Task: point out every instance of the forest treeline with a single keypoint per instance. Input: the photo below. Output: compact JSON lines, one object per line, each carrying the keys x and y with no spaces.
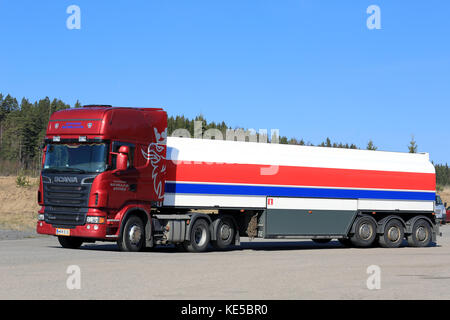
{"x":23,"y":126}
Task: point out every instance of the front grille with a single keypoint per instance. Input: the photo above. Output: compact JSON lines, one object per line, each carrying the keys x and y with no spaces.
{"x":65,"y":216}
{"x":66,"y":205}
{"x":72,"y":196}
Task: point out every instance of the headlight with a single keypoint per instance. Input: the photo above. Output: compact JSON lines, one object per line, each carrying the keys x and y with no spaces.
{"x":97,"y":220}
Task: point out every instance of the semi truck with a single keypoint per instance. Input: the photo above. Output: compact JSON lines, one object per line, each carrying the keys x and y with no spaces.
{"x":113,"y":174}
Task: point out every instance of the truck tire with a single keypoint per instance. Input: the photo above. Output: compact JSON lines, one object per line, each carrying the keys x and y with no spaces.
{"x":420,"y":235}
{"x":225,"y":233}
{"x":133,"y":235}
{"x":365,"y":232}
{"x":70,"y":242}
{"x":393,"y":234}
{"x":199,"y":236}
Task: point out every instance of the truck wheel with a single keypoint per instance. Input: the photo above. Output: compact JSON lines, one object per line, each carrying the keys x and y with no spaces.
{"x":70,"y":242}
{"x":365,"y":232}
{"x":393,"y":234}
{"x":321,"y":241}
{"x":133,"y":235}
{"x":225,"y":234}
{"x":199,"y":236}
{"x":420,"y":235}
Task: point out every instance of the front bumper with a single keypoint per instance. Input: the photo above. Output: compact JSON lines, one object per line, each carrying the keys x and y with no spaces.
{"x":94,"y":231}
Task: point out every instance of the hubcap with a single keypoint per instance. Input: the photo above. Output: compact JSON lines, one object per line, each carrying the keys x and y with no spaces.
{"x":393,"y":234}
{"x":225,"y":232}
{"x":421,"y":234}
{"x":365,"y":231}
{"x":200,"y":236}
{"x":135,"y":234}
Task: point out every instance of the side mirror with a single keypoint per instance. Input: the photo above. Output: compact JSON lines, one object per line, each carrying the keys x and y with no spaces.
{"x":122,"y":158}
{"x":445,"y":204}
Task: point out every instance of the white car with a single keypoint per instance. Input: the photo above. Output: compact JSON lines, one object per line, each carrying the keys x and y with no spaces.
{"x":439,"y":209}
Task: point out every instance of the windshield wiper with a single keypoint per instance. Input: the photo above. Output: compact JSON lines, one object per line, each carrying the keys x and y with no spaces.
{"x":77,"y":170}
{"x":64,"y":169}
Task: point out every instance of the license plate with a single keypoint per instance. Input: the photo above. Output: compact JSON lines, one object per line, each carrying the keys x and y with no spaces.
{"x":63,"y":232}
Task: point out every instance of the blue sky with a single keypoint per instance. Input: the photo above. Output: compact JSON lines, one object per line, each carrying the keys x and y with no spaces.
{"x":311,"y":69}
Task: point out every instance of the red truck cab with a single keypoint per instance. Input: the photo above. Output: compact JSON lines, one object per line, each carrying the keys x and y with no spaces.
{"x":100,"y":164}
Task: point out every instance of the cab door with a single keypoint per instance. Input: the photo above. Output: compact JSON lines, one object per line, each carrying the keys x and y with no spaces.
{"x":124,"y":184}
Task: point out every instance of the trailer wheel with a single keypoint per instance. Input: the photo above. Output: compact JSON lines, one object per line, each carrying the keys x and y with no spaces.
{"x":133,"y":235}
{"x":365,"y":232}
{"x":393,"y":234}
{"x":420,"y":235}
{"x":199,"y":236}
{"x":225,"y":233}
{"x":70,"y":242}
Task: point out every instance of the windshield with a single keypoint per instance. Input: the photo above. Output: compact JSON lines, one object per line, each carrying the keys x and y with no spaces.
{"x":79,"y":158}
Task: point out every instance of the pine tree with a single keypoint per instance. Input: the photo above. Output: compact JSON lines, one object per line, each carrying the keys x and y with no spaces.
{"x":77,"y":104}
{"x":412,"y":145}
{"x":371,"y":146}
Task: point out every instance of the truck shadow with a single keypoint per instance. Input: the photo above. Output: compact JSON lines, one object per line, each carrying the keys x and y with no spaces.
{"x":247,"y":245}
{"x":256,"y":246}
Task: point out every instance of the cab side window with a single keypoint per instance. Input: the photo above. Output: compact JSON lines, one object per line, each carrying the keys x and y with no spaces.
{"x":115,"y":148}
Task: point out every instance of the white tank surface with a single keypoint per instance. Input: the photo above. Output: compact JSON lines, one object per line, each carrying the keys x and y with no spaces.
{"x":219,"y":173}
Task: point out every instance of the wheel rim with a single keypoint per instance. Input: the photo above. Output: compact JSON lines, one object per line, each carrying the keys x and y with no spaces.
{"x":393,"y":234}
{"x":200,"y":236}
{"x":225,"y":232}
{"x":135,"y":234}
{"x":421,"y":233}
{"x":365,"y":231}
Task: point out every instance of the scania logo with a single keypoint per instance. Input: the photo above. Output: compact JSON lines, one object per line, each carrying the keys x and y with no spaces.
{"x":65,"y":179}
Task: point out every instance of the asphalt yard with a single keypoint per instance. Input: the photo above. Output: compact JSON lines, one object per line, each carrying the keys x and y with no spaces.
{"x":38,"y":268}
